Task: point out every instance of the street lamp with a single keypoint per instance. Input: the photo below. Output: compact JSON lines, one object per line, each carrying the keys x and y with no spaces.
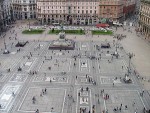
{"x":5,"y":51}
{"x":29,"y":23}
{"x":130,"y":55}
{"x":117,"y":45}
{"x":5,"y":44}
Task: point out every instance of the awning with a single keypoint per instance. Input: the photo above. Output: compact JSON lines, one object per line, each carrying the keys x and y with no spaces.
{"x":102,"y":25}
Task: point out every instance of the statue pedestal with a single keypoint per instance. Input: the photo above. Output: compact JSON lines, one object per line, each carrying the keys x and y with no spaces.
{"x":62,"y":43}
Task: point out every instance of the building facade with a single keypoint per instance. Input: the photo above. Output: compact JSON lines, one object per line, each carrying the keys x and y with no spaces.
{"x":129,"y":8}
{"x":6,"y":15}
{"x":76,"y":12}
{"x":111,"y":10}
{"x":24,"y":9}
{"x":1,"y":18}
{"x":7,"y":12}
{"x":144,"y":18}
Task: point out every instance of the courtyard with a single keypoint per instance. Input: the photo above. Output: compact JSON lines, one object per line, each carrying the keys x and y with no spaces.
{"x":83,"y":80}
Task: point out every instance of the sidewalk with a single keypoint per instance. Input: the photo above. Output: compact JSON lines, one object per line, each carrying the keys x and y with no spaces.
{"x":141,"y":49}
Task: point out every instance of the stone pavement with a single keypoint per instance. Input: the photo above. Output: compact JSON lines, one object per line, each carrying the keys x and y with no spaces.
{"x":89,"y":86}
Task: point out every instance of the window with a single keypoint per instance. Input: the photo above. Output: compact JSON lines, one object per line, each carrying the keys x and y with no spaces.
{"x":25,"y":9}
{"x":86,"y":11}
{"x":82,"y":11}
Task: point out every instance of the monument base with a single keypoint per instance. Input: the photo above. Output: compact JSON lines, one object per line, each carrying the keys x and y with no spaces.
{"x":71,"y":47}
{"x":62,"y":43}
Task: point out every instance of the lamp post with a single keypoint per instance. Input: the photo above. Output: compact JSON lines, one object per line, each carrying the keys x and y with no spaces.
{"x":5,"y":44}
{"x":130,"y":55}
{"x":117,"y":44}
{"x":29,"y":23}
{"x":5,"y":51}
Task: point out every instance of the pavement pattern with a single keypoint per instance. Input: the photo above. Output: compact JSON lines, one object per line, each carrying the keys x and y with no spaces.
{"x":53,"y":81}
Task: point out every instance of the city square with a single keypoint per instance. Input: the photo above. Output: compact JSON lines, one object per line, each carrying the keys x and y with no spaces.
{"x":88,"y":79}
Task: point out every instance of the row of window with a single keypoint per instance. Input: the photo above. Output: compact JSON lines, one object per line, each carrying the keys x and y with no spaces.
{"x":145,"y":9}
{"x":60,"y":7}
{"x":74,"y":3}
{"x":31,"y":13}
{"x":75,"y":11}
{"x":146,"y":20}
{"x":24,"y":8}
{"x":111,"y":15}
{"x":64,"y":16}
{"x":24,"y":1}
{"x":110,"y":2}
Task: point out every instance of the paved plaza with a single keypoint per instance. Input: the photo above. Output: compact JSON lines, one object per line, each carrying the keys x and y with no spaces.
{"x":83,"y":80}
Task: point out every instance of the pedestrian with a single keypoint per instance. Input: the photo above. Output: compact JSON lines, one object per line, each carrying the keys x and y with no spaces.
{"x":86,"y":75}
{"x":144,"y":110}
{"x":103,"y":90}
{"x":121,"y":105}
{"x":133,"y":104}
{"x":79,"y":94}
{"x":76,"y":77}
{"x":126,"y":107}
{"x":41,"y":94}
{"x":33,"y":99}
{"x":120,"y":109}
{"x":37,"y":111}
{"x":87,"y":89}
{"x":50,"y":80}
{"x":82,"y":89}
{"x":45,"y":90}
{"x":13,"y":94}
